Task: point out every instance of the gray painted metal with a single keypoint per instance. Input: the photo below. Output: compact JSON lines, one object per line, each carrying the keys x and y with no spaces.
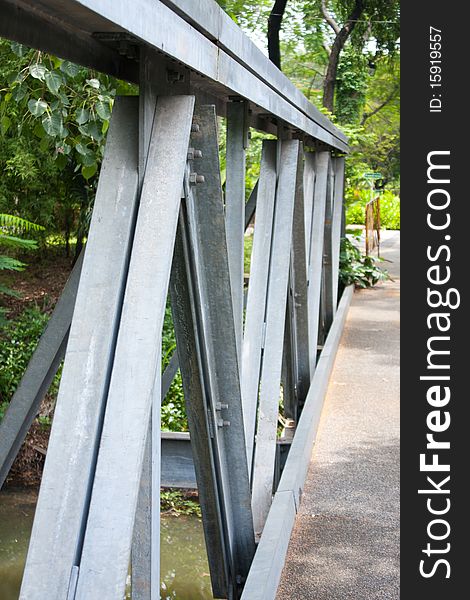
{"x":308,"y":186}
{"x":188,"y":329}
{"x":299,"y":295}
{"x":338,"y":205}
{"x":29,"y":25}
{"x":257,"y":291}
{"x":41,"y":370}
{"x":322,"y":162}
{"x":266,"y":569}
{"x":250,"y":206}
{"x":170,"y":373}
{"x":136,"y":368}
{"x":141,"y":553}
{"x":207,"y":229}
{"x":177,"y":461}
{"x":209,"y":18}
{"x":289,"y":367}
{"x":156,"y":25}
{"x":265,"y":449}
{"x":61,"y":508}
{"x":328,"y":300}
{"x":235,"y":208}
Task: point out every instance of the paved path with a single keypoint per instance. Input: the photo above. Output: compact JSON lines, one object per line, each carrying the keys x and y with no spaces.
{"x":345,"y":543}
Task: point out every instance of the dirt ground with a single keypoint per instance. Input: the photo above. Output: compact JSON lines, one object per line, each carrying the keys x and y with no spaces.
{"x":40,"y":284}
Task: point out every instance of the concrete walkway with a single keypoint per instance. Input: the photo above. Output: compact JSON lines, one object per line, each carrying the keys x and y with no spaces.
{"x":345,"y":542}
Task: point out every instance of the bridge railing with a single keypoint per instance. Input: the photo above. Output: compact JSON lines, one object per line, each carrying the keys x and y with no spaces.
{"x":163,"y":225}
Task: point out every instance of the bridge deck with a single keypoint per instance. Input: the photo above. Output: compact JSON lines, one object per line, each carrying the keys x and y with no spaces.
{"x":345,"y":542}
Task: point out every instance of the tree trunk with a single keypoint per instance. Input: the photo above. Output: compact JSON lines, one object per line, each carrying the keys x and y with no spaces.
{"x":341,"y":38}
{"x":274,"y":27}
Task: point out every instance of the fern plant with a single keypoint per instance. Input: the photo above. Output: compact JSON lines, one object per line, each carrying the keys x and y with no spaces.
{"x":11,"y":228}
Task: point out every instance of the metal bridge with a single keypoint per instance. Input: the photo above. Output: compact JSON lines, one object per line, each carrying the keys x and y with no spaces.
{"x":161,"y":225}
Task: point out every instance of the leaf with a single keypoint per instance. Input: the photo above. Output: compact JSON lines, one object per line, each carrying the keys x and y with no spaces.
{"x":38,"y":71}
{"x":103,"y":110}
{"x":17,"y":224}
{"x":52,"y":124}
{"x":19,"y":49}
{"x":88,"y":160}
{"x":11,"y":264}
{"x":88,"y":172}
{"x":19,"y":92}
{"x":92,"y":129}
{"x":37,"y":107}
{"x":82,"y":149}
{"x":82,"y":116}
{"x":70,"y":69}
{"x":11,"y":241}
{"x":61,"y":161}
{"x":5,"y":124}
{"x":105,"y":127}
{"x":53,"y":81}
{"x":9,"y":292}
{"x":94,"y":83}
{"x":39,"y":130}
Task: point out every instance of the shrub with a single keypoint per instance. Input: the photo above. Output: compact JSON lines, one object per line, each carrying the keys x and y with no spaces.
{"x":389,"y":210}
{"x":357,"y":268}
{"x":18,"y":340}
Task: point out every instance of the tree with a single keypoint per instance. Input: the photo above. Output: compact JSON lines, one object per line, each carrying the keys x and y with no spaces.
{"x":274,"y":27}
{"x":363,"y":20}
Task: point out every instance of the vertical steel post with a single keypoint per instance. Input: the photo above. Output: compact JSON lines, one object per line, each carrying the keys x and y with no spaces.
{"x":187,"y":321}
{"x":327,"y":301}
{"x":265,"y":450}
{"x":336,"y":233}
{"x":322,"y":160}
{"x":253,"y":341}
{"x":235,"y":207}
{"x":135,"y":383}
{"x":63,"y":499}
{"x":208,"y":235}
{"x":297,"y":308}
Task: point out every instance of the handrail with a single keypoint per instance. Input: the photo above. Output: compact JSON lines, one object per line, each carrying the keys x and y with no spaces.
{"x":198,"y":35}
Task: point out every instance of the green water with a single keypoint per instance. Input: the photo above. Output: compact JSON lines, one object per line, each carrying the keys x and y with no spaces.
{"x":184,"y":568}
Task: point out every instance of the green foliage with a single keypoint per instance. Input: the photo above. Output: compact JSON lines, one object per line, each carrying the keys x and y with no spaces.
{"x":68,"y":107}
{"x":18,"y":339}
{"x":54,"y":116}
{"x":389,"y":210}
{"x":351,"y":86}
{"x":173,"y":410}
{"x":357,"y":268}
{"x":11,"y":224}
{"x":177,"y":503}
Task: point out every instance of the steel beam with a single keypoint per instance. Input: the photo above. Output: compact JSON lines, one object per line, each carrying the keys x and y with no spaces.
{"x":39,"y":374}
{"x":338,"y":206}
{"x":297,"y":313}
{"x":265,"y":449}
{"x":158,"y":26}
{"x":322,"y":162}
{"x":64,"y":494}
{"x":235,"y":207}
{"x":188,"y":330}
{"x":253,"y":341}
{"x":208,"y":236}
{"x":135,"y":383}
{"x":328,"y":301}
{"x":265,"y":572}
